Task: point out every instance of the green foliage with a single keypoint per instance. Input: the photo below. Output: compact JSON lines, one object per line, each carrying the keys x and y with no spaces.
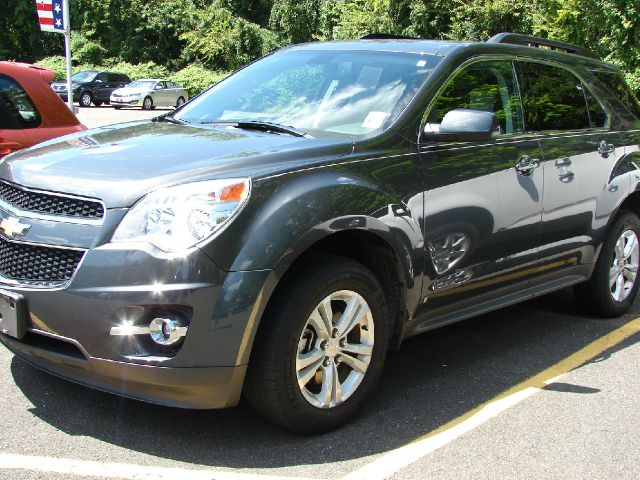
{"x":134,"y":72}
{"x":221,"y":40}
{"x":195,"y":78}
{"x":354,"y":18}
{"x":296,"y":20}
{"x":85,"y":49}
{"x":481,"y":19}
{"x":56,"y":63}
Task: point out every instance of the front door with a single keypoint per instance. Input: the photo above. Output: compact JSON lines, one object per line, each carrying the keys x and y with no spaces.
{"x":483,"y":200}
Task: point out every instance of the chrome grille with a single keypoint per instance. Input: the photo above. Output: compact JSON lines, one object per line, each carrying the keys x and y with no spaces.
{"x":37,"y":264}
{"x":47,"y":203}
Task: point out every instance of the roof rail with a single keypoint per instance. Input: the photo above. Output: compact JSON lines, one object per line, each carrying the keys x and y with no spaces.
{"x":531,"y":41}
{"x":385,"y":36}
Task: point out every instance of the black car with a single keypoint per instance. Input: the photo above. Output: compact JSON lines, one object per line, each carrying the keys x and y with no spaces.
{"x":91,"y":86}
{"x":280,"y":233}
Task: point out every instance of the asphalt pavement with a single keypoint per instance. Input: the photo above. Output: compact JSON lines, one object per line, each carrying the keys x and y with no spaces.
{"x":584,"y":425}
{"x":93,"y":117}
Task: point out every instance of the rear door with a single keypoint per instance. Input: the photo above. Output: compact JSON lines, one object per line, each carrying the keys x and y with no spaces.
{"x":580,"y":154}
{"x":483,"y":208}
{"x":162,"y":96}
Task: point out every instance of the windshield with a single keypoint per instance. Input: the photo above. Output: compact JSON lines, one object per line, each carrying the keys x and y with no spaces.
{"x":142,"y":84}
{"x":83,"y":77}
{"x":330,"y":92}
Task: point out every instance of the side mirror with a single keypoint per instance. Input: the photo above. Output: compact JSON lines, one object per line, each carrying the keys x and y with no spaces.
{"x":463,"y":125}
{"x":158,"y":87}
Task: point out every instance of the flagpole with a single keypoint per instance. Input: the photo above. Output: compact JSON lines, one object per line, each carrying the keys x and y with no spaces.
{"x":67,"y":51}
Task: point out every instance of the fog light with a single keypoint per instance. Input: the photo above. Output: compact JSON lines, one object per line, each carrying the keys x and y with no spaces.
{"x":166,"y":331}
{"x":163,"y":331}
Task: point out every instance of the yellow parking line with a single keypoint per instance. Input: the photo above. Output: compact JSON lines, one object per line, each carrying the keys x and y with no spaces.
{"x":395,"y":460}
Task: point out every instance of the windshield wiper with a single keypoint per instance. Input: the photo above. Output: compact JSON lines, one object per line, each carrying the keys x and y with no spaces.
{"x":264,"y":127}
{"x":169,"y":119}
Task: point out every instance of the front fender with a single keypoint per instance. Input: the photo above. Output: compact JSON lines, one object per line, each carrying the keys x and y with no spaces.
{"x":287,"y":215}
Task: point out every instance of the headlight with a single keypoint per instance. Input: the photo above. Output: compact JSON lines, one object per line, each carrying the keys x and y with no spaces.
{"x":177,"y":218}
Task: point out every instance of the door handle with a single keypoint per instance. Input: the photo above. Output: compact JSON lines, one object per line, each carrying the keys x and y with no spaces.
{"x":566,"y":177}
{"x":526,"y":164}
{"x":605,"y":149}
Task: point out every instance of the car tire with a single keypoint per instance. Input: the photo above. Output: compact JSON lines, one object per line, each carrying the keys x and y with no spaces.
{"x":296,"y":363}
{"x":117,"y":107}
{"x":180,"y":101}
{"x":614,"y":283}
{"x":86,"y":98}
{"x":147,"y":103}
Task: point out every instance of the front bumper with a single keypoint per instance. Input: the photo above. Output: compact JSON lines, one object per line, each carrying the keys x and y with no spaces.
{"x":127,"y":102}
{"x":195,"y":387}
{"x":69,"y":329}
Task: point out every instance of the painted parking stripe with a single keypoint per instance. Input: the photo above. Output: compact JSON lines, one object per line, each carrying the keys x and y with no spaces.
{"x":395,"y":460}
{"x":84,"y":468}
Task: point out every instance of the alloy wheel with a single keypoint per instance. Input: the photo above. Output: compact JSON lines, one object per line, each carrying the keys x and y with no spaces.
{"x":624,"y":267}
{"x":335,"y":349}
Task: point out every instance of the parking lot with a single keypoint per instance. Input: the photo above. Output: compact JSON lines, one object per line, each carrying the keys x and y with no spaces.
{"x":471,"y":383}
{"x":537,"y":390}
{"x":93,"y":117}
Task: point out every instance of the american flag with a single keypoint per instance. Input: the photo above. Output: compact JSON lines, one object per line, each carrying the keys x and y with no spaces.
{"x":51,"y":15}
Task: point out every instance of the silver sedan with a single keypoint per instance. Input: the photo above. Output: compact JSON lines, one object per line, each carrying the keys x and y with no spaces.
{"x":149,"y":93}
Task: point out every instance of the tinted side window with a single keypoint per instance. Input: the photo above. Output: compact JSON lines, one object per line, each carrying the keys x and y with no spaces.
{"x":488,"y":86}
{"x":552,"y":97}
{"x":101,"y":77}
{"x":18,"y":104}
{"x":616,"y":83}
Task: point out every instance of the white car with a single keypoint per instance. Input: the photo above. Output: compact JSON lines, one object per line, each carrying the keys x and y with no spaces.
{"x":149,"y":93}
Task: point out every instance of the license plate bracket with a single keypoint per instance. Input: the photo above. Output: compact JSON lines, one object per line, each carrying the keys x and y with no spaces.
{"x":13,"y":314}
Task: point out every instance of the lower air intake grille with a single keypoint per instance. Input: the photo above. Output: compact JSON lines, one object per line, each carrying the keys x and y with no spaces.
{"x":33,"y":263}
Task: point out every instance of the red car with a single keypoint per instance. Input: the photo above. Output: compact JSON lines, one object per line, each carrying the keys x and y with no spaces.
{"x":30,"y":111}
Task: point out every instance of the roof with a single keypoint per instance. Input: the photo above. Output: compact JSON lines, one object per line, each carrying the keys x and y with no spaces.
{"x":444,"y":48}
{"x":426,"y":47}
{"x":45,"y":73}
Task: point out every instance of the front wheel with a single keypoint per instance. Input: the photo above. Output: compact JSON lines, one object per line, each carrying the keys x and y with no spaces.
{"x":614,"y":283}
{"x":85,"y":99}
{"x":321,"y":347}
{"x":147,"y":103}
{"x":179,"y":102}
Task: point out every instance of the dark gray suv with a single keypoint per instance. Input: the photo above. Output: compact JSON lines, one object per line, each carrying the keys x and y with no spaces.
{"x":278,"y":234}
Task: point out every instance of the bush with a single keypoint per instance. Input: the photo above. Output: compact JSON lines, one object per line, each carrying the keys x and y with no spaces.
{"x":195,"y":78}
{"x":633,"y":78}
{"x":57,"y":63}
{"x":134,"y":72}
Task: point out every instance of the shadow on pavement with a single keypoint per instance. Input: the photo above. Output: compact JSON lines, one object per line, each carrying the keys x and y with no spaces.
{"x":433,"y":379}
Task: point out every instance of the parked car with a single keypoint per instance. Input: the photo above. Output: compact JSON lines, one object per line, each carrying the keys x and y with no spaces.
{"x":91,"y":86}
{"x":149,"y":93}
{"x":29,"y":111}
{"x":278,"y":234}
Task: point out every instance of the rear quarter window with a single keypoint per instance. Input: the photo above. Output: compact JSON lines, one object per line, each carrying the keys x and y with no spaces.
{"x":616,"y":84}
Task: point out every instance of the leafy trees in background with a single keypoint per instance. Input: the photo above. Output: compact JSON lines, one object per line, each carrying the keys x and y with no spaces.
{"x":194,"y":36}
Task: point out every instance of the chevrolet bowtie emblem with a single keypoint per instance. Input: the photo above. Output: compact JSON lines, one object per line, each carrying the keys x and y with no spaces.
{"x":12,"y":227}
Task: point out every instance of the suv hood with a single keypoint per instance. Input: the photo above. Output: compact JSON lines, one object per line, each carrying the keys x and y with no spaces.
{"x":122,"y":163}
